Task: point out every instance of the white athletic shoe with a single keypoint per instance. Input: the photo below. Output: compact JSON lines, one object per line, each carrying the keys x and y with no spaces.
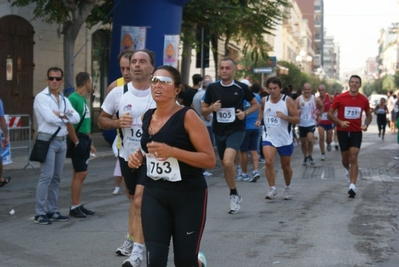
{"x":126,"y":248}
{"x":271,"y":194}
{"x":116,"y":191}
{"x":287,"y":193}
{"x":202,"y":259}
{"x":235,"y":201}
{"x":134,"y":260}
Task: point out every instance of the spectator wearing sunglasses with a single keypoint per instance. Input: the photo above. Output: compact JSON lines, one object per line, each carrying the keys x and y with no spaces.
{"x":53,"y":111}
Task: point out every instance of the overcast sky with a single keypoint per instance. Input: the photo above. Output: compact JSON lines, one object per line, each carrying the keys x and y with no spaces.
{"x":356,"y":25}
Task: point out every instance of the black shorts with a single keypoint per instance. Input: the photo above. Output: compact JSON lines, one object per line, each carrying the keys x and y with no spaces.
{"x":303,"y":131}
{"x":81,"y":153}
{"x":132,"y":177}
{"x":349,"y":139}
{"x":233,"y":140}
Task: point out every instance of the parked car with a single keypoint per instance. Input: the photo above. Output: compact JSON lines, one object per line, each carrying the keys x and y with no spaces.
{"x":374,"y":99}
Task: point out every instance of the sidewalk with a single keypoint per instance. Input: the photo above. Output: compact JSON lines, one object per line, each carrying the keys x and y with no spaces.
{"x":20,"y":157}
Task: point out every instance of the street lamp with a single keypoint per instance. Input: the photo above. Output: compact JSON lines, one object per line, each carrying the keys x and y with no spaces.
{"x":302,"y":59}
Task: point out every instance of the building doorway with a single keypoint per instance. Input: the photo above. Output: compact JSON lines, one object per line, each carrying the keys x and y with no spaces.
{"x":16,"y":65}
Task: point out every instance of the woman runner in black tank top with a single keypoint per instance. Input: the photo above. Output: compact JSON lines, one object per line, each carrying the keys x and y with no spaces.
{"x":176,"y":147}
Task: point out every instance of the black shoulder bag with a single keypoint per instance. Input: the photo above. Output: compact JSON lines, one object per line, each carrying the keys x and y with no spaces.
{"x":40,"y":148}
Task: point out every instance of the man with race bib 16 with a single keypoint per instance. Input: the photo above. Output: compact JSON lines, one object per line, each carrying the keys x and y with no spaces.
{"x":349,"y":107}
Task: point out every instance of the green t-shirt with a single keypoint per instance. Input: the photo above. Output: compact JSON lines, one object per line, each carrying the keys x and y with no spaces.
{"x":79,"y":103}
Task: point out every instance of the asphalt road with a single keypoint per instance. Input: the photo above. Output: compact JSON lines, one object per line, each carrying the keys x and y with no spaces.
{"x":320,"y":226}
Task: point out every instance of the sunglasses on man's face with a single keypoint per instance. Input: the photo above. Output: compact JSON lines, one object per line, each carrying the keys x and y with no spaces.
{"x":54,"y":78}
{"x":162,"y":80}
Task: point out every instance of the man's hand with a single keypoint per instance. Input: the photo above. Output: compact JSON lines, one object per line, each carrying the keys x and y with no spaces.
{"x":344,"y":124}
{"x":125,"y":121}
{"x":93,"y":149}
{"x":216,"y":106}
{"x":280,"y":114}
{"x":240,"y":114}
{"x":4,"y":143}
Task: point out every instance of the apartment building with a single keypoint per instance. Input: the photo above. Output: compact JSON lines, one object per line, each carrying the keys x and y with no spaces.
{"x":313,"y":12}
{"x":331,"y":58}
{"x":388,"y":50}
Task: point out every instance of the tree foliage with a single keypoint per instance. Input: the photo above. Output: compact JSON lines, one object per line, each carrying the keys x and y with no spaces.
{"x":246,"y":66}
{"x":396,"y":79}
{"x":243,"y":21}
{"x":388,"y":83}
{"x":295,"y":76}
{"x":381,"y":85}
{"x":71,"y":14}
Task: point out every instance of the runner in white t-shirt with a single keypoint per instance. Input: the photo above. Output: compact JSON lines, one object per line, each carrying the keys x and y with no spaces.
{"x":129,"y":102}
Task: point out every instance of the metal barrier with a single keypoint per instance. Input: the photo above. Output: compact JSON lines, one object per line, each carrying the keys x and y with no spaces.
{"x":20,"y":135}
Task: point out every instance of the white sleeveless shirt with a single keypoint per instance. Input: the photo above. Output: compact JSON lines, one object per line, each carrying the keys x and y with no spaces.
{"x":278,"y":131}
{"x":308,"y":109}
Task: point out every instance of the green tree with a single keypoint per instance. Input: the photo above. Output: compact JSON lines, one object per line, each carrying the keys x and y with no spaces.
{"x":243,"y":21}
{"x":388,"y":83}
{"x":246,"y":66}
{"x":295,"y":76}
{"x":374,"y":87}
{"x":367,"y":88}
{"x":336,"y":87}
{"x":71,"y":14}
{"x":396,"y":79}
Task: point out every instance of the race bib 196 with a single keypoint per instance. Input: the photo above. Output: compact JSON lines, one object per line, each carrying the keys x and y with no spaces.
{"x":272,"y":121}
{"x":226,"y":115}
{"x":352,"y":112}
{"x":159,"y":168}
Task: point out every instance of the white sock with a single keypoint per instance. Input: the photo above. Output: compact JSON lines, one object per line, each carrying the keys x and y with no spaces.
{"x":74,"y":207}
{"x":352,"y":186}
{"x":287,"y":186}
{"x":273,"y":187}
{"x":117,"y":188}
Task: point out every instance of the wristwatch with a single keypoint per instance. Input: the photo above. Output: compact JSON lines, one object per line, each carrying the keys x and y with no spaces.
{"x":61,"y":114}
